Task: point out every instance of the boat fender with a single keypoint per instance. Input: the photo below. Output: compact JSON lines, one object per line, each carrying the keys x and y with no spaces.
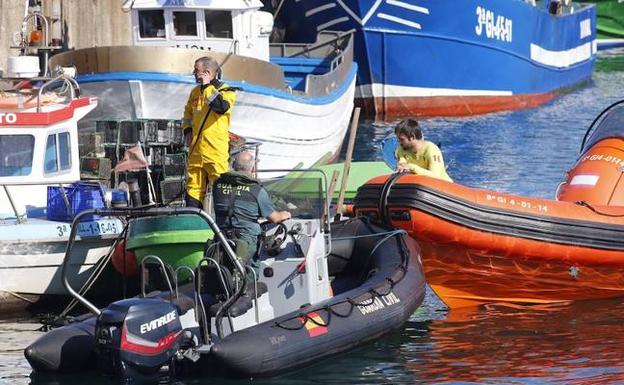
{"x":124,"y":261}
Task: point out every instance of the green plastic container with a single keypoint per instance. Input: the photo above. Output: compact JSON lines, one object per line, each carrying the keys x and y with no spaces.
{"x":178,"y":240}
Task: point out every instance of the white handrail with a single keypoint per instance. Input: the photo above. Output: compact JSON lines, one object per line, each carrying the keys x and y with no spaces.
{"x":70,"y":82}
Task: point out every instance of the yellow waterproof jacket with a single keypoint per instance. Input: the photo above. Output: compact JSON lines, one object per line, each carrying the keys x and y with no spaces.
{"x":428,"y":161}
{"x":210,"y":140}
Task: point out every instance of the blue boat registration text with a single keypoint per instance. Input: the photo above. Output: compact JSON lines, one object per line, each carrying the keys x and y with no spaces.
{"x":496,"y":27}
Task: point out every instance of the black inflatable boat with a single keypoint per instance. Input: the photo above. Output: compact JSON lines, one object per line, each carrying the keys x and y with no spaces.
{"x":322,"y":289}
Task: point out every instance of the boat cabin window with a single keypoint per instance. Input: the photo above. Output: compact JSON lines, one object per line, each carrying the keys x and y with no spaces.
{"x":218,"y":24}
{"x":16,"y":154}
{"x":58,"y":153}
{"x":302,"y":194}
{"x":152,"y":24}
{"x":185,"y":23}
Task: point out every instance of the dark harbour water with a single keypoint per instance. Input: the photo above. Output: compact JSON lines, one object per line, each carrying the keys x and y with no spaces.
{"x":524,"y":152}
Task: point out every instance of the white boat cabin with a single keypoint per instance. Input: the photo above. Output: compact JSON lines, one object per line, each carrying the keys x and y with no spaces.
{"x":230,"y":26}
{"x":37,"y":149}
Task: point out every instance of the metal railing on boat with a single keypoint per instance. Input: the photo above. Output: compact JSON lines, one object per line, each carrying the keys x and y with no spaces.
{"x":142,"y":212}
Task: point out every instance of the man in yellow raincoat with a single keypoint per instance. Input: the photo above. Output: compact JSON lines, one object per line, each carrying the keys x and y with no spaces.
{"x":206,"y":126}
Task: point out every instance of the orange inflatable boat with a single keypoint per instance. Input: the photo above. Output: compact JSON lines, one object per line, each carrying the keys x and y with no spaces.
{"x":480,"y":246}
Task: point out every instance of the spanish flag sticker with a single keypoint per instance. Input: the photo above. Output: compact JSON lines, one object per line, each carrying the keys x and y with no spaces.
{"x":314,"y":324}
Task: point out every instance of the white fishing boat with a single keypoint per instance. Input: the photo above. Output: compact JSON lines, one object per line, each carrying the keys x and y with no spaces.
{"x":295,"y":99}
{"x":39,"y":164}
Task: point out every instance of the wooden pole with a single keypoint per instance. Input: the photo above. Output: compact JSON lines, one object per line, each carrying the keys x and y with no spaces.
{"x":347,"y":164}
{"x":332,"y":188}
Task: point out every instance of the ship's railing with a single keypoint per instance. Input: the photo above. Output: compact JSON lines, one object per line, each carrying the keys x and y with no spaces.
{"x":336,"y":50}
{"x":325,"y":45}
{"x":20,"y":217}
{"x":69,"y":84}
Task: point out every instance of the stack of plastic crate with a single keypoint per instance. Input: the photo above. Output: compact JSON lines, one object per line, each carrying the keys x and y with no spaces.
{"x":172,"y":187}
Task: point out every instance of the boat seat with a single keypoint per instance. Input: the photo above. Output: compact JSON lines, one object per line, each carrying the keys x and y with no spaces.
{"x":250,"y":291}
{"x":220,"y":285}
{"x":350,"y":261}
{"x":212,"y":283}
{"x":184,"y":303}
{"x":340,"y":255}
{"x":213,"y":291}
{"x":156,"y":279}
{"x":239,"y":307}
{"x":244,"y":303}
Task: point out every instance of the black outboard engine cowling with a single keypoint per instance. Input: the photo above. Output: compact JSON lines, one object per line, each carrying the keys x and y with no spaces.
{"x":137,"y":337}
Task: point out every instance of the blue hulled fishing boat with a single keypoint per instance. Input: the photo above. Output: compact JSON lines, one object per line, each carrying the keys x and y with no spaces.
{"x":449,"y":58}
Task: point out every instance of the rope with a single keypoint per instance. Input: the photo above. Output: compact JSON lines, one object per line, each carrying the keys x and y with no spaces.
{"x":373,"y":292}
{"x":49,"y":321}
{"x":350,"y":301}
{"x":304,"y":317}
{"x":402,"y":232}
{"x":303,"y":322}
{"x":390,"y":233}
{"x":585,"y":204}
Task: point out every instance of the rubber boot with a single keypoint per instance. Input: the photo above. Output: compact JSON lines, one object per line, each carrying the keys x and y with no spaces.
{"x":192,"y":202}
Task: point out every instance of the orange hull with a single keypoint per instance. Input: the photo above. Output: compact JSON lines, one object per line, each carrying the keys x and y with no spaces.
{"x":481,"y":246}
{"x":421,"y":106}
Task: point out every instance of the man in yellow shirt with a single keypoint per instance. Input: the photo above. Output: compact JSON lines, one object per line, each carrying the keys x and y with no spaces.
{"x":415,"y":154}
{"x":206,"y":126}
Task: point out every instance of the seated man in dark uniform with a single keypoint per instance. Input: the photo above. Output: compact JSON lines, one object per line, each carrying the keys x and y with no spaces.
{"x":239,"y":201}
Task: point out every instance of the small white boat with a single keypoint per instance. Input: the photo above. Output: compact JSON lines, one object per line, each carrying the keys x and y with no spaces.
{"x":296,"y":100}
{"x":39,"y":154}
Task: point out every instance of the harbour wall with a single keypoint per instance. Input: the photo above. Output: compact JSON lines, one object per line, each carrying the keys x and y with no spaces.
{"x":77,"y":23}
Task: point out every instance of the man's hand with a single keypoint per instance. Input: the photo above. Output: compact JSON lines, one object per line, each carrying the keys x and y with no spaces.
{"x":402,"y":167}
{"x":279,"y":216}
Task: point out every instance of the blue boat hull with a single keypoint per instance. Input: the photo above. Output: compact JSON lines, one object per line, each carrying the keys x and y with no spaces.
{"x":438,"y":58}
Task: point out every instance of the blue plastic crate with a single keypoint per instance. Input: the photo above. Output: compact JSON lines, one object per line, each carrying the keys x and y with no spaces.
{"x":81,"y":196}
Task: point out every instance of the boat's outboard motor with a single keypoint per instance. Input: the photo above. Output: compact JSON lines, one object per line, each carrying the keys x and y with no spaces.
{"x":137,"y":337}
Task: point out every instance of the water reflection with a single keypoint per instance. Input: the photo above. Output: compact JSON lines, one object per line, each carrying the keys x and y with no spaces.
{"x":579,"y":343}
{"x":15,"y":334}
